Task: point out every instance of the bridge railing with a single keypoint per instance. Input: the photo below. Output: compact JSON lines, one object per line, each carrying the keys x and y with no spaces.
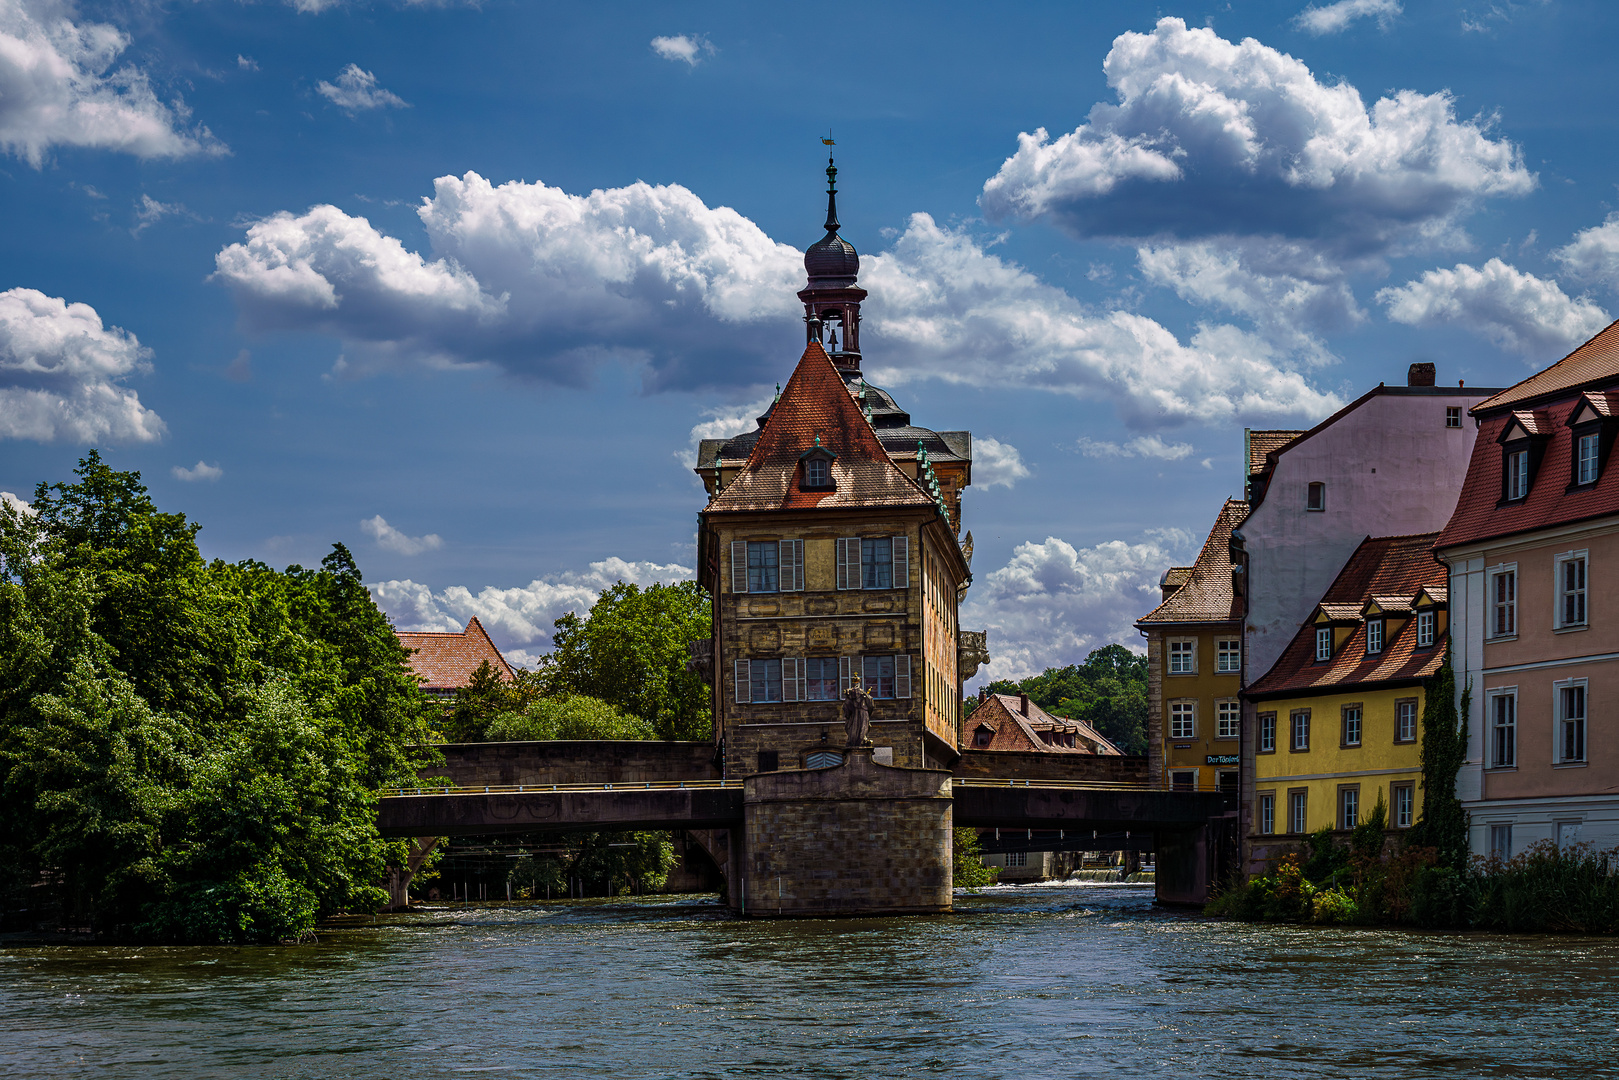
{"x":1078,"y":785}
{"x":512,"y":789}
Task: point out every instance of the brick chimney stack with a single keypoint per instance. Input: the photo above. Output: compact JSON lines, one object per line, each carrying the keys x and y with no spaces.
{"x":1420,"y":375}
{"x":1023,"y":701}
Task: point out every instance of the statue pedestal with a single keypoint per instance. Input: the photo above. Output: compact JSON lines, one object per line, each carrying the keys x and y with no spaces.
{"x":859,"y":839}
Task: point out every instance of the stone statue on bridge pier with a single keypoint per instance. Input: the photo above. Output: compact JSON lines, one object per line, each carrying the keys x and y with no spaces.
{"x":857,"y":714}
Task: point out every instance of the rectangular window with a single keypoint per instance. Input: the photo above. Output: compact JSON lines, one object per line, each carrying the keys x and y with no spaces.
{"x":1405,"y":720}
{"x":1503,"y":730}
{"x":1453,"y":416}
{"x":769,"y":760}
{"x":1504,"y":603}
{"x":873,"y":562}
{"x":1300,"y":719}
{"x":1501,"y":841}
{"x":1267,"y":813}
{"x":1425,"y":628}
{"x":1297,"y":819}
{"x":1017,"y":858}
{"x":1517,"y":474}
{"x":1267,"y":733}
{"x":887,"y":676}
{"x":1228,"y":656}
{"x":1315,"y":496}
{"x":763,"y":566}
{"x":1227,"y":781}
{"x":1587,"y":451}
{"x":1571,"y":589}
{"x":1323,"y":643}
{"x":1183,"y":720}
{"x":1348,"y":807}
{"x":1183,"y":780}
{"x":876,"y":562}
{"x":1183,"y":656}
{"x":1402,"y":807}
{"x":821,"y":678}
{"x":1228,"y":720}
{"x":1374,"y":635}
{"x":1571,"y":723}
{"x":764,"y":681}
{"x":1351,"y":725}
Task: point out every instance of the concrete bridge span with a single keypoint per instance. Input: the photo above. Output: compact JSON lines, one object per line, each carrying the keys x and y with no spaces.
{"x":471,"y":811}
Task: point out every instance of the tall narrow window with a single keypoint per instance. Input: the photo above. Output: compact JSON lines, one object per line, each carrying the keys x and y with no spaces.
{"x":876,"y":562}
{"x":1571,"y":590}
{"x":1503,"y":731}
{"x":1267,"y":733}
{"x":1351,"y":722}
{"x":1297,"y":820}
{"x":1517,"y":474}
{"x":1315,"y":496}
{"x":1267,"y":813}
{"x":1587,"y":450}
{"x":1405,"y":720}
{"x":1183,"y":657}
{"x":1323,"y":643}
{"x":1301,"y":729}
{"x":1183,"y":720}
{"x":1501,"y":841}
{"x":763,"y":564}
{"x":1402,"y":813}
{"x":1570,"y":723}
{"x":1229,"y":658}
{"x":1374,"y":635}
{"x":1504,"y":603}
{"x":1348,"y":807}
{"x":1228,"y":720}
{"x":1425,"y":628}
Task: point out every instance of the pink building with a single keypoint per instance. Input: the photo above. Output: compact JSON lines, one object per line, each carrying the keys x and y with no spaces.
{"x":1533,"y":552}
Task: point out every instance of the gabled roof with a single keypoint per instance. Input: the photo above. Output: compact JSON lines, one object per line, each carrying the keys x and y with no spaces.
{"x":1206,"y":595}
{"x":1480,"y":512}
{"x":445,"y":662}
{"x":1261,"y":443}
{"x":1594,"y":362}
{"x":997,"y":711}
{"x":816,"y":404}
{"x":1381,"y":566}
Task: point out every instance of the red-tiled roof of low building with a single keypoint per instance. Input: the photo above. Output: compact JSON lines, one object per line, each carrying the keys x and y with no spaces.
{"x":1480,"y":512}
{"x":1380,"y":566}
{"x":445,"y":662}
{"x":1016,"y":730}
{"x":1207,"y":595}
{"x":1594,"y":362}
{"x":817,"y":405}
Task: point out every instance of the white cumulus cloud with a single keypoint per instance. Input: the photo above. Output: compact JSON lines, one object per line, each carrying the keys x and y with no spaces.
{"x":357,"y":90}
{"x":1335,"y":18}
{"x":1210,"y":137}
{"x":61,"y":372}
{"x":1053,"y":603}
{"x":391,"y":539}
{"x":1145,"y":446}
{"x":200,"y":471}
{"x":1516,"y":310}
{"x":20,"y":505}
{"x":1593,"y":254}
{"x":683,"y":48}
{"x":58,"y":88}
{"x":549,"y":285}
{"x":519,"y":619}
{"x":996,"y":463}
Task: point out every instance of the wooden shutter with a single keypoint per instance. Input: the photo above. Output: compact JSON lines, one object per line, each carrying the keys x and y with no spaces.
{"x":791,"y":566}
{"x":845,"y":670}
{"x":743,"y":693}
{"x":739,"y":566}
{"x":792,"y":678}
{"x":902,"y":562}
{"x":902,"y":675}
{"x":849,"y":562}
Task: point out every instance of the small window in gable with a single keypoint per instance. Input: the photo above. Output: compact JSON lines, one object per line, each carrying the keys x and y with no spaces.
{"x":816,"y":469}
{"x":1586,"y":466}
{"x":1323,"y":643}
{"x":1315,"y":496}
{"x":1374,"y":635}
{"x":1453,"y":416}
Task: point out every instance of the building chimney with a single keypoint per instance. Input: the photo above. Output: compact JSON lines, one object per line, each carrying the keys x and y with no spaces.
{"x":1023,"y":703}
{"x":1419,"y":375}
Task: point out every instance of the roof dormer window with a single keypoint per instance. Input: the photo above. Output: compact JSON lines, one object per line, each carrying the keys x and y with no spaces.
{"x":1523,"y":443}
{"x":1374,"y":636}
{"x":815,"y":468}
{"x":1323,"y":643}
{"x":1517,"y":474}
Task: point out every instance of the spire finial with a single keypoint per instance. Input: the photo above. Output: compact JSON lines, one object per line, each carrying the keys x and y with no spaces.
{"x":831,"y":189}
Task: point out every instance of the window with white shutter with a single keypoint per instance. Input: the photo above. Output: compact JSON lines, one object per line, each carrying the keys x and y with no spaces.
{"x":792,"y":679}
{"x":792,"y":566}
{"x":741,"y":672}
{"x":902,"y":674}
{"x":849,"y":562}
{"x":902,"y":563}
{"x":739,"y":566}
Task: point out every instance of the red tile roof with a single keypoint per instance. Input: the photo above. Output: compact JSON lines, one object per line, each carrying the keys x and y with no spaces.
{"x":1381,"y":566}
{"x":1018,"y":730}
{"x":1206,"y":595}
{"x":816,"y":404}
{"x":1480,"y":515}
{"x":1262,"y":442}
{"x":445,"y":662}
{"x":1596,"y":361}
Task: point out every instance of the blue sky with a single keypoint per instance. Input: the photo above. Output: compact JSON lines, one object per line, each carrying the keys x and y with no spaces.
{"x":460,"y":285}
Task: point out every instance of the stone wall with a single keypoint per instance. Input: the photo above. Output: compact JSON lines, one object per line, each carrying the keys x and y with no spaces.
{"x":573,"y":762}
{"x":1037,"y":765}
{"x":861,"y":838}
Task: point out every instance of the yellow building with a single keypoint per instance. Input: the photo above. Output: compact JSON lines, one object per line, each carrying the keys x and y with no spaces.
{"x":1338,"y":717}
{"x":1194,"y":668}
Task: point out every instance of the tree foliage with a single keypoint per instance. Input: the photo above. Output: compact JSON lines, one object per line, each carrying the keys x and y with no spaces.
{"x":1443,"y":824}
{"x":571,"y":716}
{"x":189,"y":750}
{"x":1108,"y":692}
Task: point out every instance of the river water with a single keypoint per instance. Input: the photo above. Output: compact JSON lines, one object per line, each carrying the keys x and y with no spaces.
{"x":1019,"y":982}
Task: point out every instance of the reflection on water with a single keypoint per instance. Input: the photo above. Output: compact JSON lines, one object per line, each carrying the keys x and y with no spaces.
{"x":1019,"y":982}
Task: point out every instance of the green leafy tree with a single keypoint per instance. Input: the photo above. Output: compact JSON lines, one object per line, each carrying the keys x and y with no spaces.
{"x":571,"y":716}
{"x":967,"y":863}
{"x":1443,"y":824}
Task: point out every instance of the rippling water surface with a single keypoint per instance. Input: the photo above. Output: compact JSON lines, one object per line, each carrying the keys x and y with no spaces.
{"x":1028,"y":982}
